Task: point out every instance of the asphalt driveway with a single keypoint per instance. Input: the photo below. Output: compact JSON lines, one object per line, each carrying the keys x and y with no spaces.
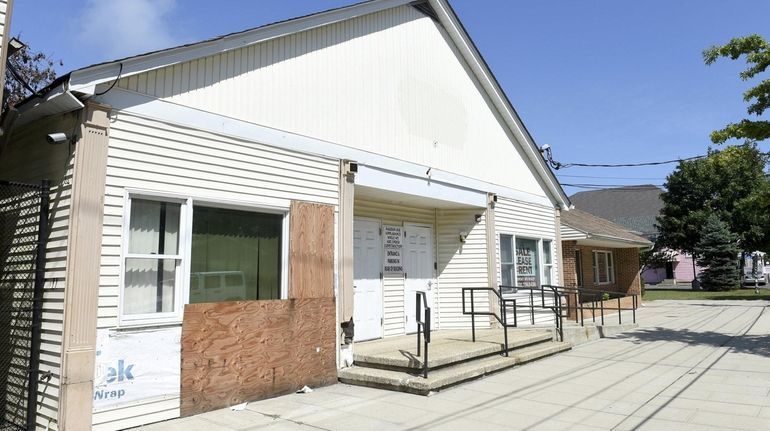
{"x":690,"y":365}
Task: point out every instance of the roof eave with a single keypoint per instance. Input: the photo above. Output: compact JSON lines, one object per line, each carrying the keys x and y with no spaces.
{"x":86,"y":79}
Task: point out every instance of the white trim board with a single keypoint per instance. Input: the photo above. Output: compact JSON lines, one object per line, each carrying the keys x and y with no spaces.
{"x":172,"y":113}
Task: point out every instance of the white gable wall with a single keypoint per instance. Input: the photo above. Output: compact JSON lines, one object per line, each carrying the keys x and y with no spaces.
{"x":389,"y":83}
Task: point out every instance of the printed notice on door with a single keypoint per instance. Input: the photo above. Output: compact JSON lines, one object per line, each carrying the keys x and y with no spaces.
{"x":393,"y":247}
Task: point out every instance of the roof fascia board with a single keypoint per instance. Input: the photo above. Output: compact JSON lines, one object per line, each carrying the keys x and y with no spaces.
{"x":611,"y":238}
{"x":172,"y":113}
{"x":462,"y":40}
{"x":85,"y":80}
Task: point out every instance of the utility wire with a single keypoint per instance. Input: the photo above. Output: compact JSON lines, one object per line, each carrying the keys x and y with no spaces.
{"x":610,"y":178}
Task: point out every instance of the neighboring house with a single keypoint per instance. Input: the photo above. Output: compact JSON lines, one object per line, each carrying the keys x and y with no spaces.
{"x":319,"y":170}
{"x":636,"y":208}
{"x":599,"y":254}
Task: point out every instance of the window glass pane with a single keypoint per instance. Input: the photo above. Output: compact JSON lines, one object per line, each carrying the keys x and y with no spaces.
{"x":601,"y":264}
{"x":547,"y":277}
{"x":527,"y":265}
{"x":236,"y":255}
{"x":154,"y":227}
{"x":150,"y":286}
{"x":507,"y":273}
{"x":547,"y":252}
{"x":506,"y":252}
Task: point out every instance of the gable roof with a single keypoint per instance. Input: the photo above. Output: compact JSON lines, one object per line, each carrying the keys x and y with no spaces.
{"x":634,"y":207}
{"x":598,"y":228}
{"x":83,"y":82}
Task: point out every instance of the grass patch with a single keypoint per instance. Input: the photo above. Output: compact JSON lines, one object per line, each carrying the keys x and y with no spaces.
{"x":745,"y":294}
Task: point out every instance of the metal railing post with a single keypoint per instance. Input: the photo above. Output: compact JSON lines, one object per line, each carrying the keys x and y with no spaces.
{"x":601,"y":304}
{"x":427,"y":340}
{"x":473,"y":318}
{"x":620,"y":313}
{"x":633,"y":311}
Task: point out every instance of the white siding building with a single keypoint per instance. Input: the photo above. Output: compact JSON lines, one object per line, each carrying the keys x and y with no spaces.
{"x":383,"y":112}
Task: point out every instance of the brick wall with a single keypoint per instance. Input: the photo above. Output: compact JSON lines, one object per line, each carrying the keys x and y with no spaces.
{"x":626,"y":265}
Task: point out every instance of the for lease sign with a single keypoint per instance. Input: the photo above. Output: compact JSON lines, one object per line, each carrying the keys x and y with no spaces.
{"x":136,"y":366}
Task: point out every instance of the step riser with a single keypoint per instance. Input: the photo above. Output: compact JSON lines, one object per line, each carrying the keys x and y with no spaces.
{"x":448,"y":376}
{"x":417,"y":368}
{"x":482,"y":348}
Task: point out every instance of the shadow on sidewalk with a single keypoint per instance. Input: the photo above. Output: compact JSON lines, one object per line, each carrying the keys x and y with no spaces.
{"x":751,"y":344}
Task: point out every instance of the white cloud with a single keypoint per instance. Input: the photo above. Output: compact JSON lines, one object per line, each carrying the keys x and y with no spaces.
{"x":113,"y":29}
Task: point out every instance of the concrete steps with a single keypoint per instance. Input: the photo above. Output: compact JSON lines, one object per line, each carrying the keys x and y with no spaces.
{"x":452,"y":360}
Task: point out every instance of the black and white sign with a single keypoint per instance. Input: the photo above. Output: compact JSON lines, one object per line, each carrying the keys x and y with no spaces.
{"x":393,"y":247}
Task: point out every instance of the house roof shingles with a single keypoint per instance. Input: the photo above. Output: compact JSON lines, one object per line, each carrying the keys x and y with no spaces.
{"x":601,"y":228}
{"x":634,"y":207}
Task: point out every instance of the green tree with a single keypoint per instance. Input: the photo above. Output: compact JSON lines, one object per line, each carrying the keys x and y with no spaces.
{"x":757,"y":53}
{"x":719,"y":254}
{"x":728,"y":184}
{"x":26,"y":68}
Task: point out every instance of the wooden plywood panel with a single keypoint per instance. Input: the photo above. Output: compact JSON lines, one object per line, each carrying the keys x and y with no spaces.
{"x":233,"y":352}
{"x":311,"y":253}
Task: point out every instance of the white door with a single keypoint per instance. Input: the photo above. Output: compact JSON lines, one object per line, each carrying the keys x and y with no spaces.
{"x":367,"y":286}
{"x":418,"y":272}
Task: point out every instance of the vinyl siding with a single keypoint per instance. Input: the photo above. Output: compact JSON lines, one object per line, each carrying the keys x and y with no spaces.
{"x":28,"y":158}
{"x":528,"y":221}
{"x":461,"y":264}
{"x":393,"y":284}
{"x":159,"y":157}
{"x":387,"y":82}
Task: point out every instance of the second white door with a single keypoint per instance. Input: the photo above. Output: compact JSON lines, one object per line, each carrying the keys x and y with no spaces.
{"x":418,"y":271}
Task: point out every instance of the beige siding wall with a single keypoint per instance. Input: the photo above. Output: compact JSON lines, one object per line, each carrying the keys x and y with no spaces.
{"x":528,"y":221}
{"x":28,"y":158}
{"x":461,"y":265}
{"x":388,"y":82}
{"x":154,"y":156}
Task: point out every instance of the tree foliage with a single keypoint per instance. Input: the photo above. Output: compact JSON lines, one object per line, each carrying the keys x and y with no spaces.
{"x":729,"y":184}
{"x":719,"y":254}
{"x":757,"y":53}
{"x":35,"y":68}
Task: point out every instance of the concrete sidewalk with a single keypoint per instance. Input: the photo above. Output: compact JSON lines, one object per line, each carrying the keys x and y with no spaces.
{"x":690,"y":365}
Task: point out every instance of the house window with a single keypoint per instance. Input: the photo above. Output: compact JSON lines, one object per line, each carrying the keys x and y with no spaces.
{"x":236,"y":255}
{"x":547,"y":262}
{"x":604,"y":270}
{"x":507,"y":265}
{"x":520,"y":260}
{"x":153,"y":261}
{"x":178,"y":252}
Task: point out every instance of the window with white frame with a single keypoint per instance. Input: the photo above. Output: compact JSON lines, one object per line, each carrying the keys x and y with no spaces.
{"x":547,"y":262}
{"x":520,"y":261}
{"x":180,"y":251}
{"x":507,"y":265}
{"x":604,"y":270}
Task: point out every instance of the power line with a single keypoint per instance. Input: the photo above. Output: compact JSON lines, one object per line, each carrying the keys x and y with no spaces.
{"x":624,"y":165}
{"x":611,"y":178}
{"x":604,"y":186}
{"x":547,"y":153}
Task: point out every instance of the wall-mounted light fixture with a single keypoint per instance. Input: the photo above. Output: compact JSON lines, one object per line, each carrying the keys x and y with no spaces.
{"x":478,"y":218}
{"x":57,"y":138}
{"x":463,"y":236}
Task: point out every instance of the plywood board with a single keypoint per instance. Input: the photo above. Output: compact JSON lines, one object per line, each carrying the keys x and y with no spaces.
{"x":233,"y":352}
{"x":311,"y":250}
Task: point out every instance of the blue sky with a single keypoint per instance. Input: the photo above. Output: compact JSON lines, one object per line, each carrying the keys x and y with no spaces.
{"x":601,"y":81}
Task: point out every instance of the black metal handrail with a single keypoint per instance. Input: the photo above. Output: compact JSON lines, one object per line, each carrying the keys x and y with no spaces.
{"x":509,"y":304}
{"x":423,"y":328}
{"x":587,"y":299}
